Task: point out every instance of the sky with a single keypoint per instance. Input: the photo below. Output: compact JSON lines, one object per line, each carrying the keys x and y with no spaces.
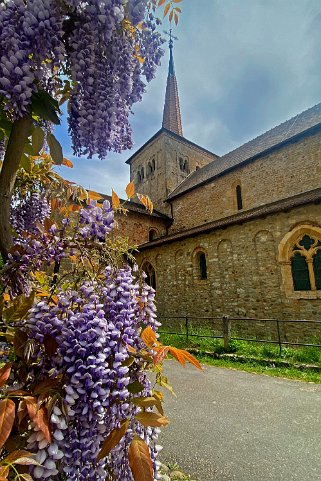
{"x":242,"y":67}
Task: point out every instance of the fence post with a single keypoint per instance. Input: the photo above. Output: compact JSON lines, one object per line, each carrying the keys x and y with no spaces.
{"x":226,"y":321}
{"x":186,"y":327}
{"x":279,"y":337}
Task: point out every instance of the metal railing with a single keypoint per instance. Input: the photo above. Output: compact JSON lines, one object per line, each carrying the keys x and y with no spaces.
{"x":229,"y":329}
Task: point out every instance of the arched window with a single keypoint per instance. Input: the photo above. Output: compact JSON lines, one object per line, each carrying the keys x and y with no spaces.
{"x":139,"y":177}
{"x":142,"y":174}
{"x":306,"y":263}
{"x":300,"y":259}
{"x":150,"y":274}
{"x":200,"y":264}
{"x":183,"y":165}
{"x":153,"y":164}
{"x":239,"y":197}
{"x":152,"y":235}
{"x":149,"y":169}
{"x":300,"y":273}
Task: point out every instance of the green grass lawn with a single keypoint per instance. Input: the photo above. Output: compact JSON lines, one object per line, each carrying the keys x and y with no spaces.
{"x":259,"y":351}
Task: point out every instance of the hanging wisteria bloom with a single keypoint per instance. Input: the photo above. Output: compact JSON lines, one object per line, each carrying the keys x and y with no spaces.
{"x":102,"y":46}
{"x":94,"y":320}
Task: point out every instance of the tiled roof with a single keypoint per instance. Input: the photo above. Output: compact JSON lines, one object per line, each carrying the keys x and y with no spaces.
{"x":312,"y":196}
{"x":139,"y":208}
{"x":302,"y":123}
{"x":175,"y":136}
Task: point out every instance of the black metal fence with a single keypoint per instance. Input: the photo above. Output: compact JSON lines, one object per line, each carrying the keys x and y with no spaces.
{"x":297,"y":332}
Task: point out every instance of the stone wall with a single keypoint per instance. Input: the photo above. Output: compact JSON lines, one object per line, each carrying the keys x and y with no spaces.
{"x":244,"y":277}
{"x":136,"y":226}
{"x":292,"y":169}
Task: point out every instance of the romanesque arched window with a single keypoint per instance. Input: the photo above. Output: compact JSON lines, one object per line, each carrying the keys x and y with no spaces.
{"x":300,"y":258}
{"x":200,"y":264}
{"x":152,"y":234}
{"x":149,"y":169}
{"x":239,"y":199}
{"x":150,"y":274}
{"x":142,"y":173}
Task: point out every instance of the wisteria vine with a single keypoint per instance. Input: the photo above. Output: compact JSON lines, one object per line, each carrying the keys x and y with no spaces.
{"x":92,"y":322}
{"x":105,"y":47}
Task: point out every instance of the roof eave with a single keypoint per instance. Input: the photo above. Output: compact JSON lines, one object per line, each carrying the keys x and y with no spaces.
{"x":293,"y":139}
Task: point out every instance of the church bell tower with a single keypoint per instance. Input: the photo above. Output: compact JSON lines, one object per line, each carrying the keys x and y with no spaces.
{"x":167,"y":158}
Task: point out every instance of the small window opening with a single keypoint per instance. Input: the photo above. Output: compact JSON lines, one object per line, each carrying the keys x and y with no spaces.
{"x":239,"y":197}
{"x":183,"y":165}
{"x":142,"y":174}
{"x":150,"y":275}
{"x":152,"y":235}
{"x":202,"y":266}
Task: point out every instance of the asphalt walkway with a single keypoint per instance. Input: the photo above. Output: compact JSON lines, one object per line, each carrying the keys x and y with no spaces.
{"x":230,"y":425}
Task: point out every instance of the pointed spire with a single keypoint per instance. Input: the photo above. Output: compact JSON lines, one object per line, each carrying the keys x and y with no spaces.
{"x":171,"y":114}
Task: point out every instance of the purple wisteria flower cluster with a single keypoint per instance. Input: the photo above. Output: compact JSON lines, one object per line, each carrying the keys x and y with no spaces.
{"x":95,"y":221}
{"x":103,"y":48}
{"x":92,"y":327}
{"x":29,"y":211}
{"x":93,"y":321}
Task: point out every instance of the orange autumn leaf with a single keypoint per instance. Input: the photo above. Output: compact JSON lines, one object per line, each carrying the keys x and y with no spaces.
{"x":182,"y":356}
{"x":130,"y":190}
{"x":5,"y":373}
{"x":112,"y":440}
{"x":67,"y":163}
{"x":7,"y":416}
{"x":38,"y":416}
{"x":166,"y":9}
{"x":149,"y":337}
{"x":139,"y":460}
{"x":115,"y":200}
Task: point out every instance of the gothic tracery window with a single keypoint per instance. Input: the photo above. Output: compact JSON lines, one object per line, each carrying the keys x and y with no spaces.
{"x":306,"y":264}
{"x":150,"y":274}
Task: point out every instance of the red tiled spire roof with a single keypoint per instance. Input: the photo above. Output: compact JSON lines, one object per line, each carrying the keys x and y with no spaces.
{"x":172,"y":115}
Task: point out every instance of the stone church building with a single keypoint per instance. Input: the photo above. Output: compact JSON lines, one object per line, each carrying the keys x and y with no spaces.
{"x":236,"y":235}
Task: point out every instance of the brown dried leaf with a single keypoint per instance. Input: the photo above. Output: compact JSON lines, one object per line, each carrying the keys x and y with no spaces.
{"x":139,"y":460}
{"x":166,"y":9}
{"x":5,"y":373}
{"x":112,"y":440}
{"x":38,"y":416}
{"x":151,"y":419}
{"x":7,"y":415}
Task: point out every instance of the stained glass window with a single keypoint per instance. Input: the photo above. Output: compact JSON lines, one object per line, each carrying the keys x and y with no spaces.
{"x":317,"y":269}
{"x":300,"y":273}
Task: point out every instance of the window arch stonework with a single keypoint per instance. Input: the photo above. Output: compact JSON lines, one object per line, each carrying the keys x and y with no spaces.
{"x":200,"y":265}
{"x":300,"y":260}
{"x":149,"y":270}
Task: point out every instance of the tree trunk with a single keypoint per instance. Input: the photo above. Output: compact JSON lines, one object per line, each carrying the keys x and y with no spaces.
{"x":16,"y":143}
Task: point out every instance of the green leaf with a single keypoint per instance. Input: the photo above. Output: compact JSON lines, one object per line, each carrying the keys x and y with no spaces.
{"x":5,"y":125}
{"x":38,"y":137}
{"x":55,"y":149}
{"x":25,"y":163}
{"x":45,"y":106}
{"x":135,"y":387}
{"x":19,"y":308}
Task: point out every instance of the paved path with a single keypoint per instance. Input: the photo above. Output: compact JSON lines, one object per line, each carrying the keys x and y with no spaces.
{"x":230,"y":425}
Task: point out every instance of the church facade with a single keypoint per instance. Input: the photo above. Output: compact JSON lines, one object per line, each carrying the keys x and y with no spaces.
{"x":236,"y":235}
